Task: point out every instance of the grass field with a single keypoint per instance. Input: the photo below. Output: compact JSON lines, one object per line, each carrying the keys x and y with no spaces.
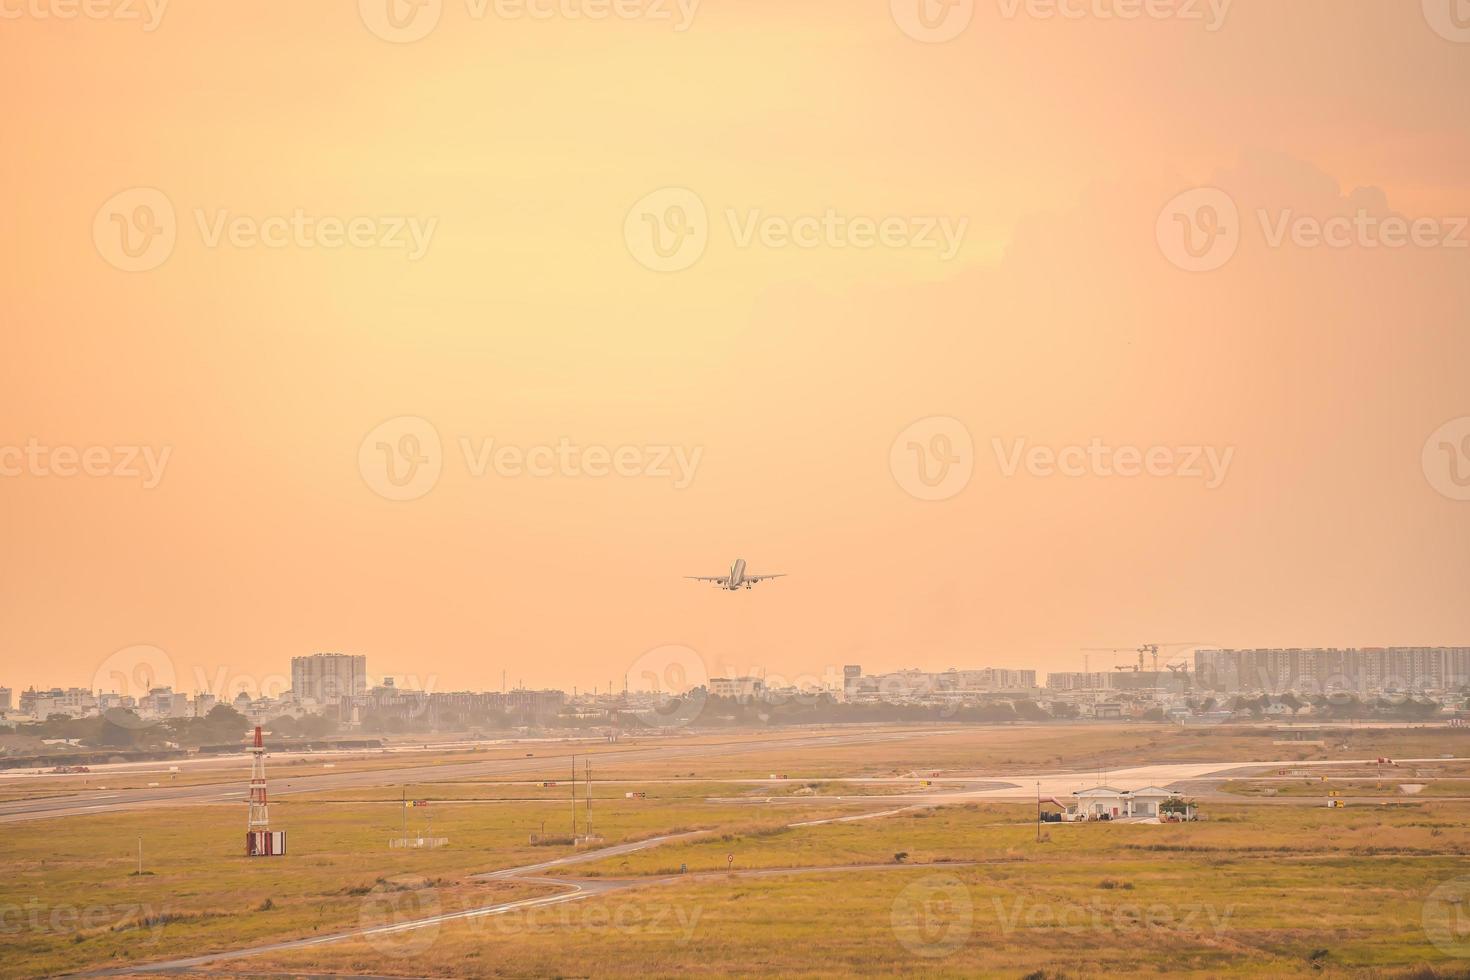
{"x":1280,"y":885}
{"x":73,"y":899}
{"x":1297,"y":892}
{"x":1193,"y":917}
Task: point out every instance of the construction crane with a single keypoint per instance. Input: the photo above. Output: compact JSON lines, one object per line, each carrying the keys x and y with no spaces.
{"x":1147,"y":648}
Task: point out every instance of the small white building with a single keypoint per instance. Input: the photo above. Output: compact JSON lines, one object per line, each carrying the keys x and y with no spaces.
{"x":1145,"y":802}
{"x":1111,"y":803}
{"x":1099,"y":802}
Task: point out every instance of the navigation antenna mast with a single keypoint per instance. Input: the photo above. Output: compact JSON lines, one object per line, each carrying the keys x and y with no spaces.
{"x":260,"y":840}
{"x":259,"y":818}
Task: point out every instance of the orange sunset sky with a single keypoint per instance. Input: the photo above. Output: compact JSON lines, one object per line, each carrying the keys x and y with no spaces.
{"x":549,"y":164}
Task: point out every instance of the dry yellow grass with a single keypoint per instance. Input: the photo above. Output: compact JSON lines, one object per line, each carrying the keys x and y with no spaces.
{"x":1299,"y":879}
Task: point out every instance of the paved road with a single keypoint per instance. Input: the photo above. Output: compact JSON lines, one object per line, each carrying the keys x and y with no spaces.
{"x":549,"y":761}
{"x":1024,"y":785}
{"x":1193,"y":777}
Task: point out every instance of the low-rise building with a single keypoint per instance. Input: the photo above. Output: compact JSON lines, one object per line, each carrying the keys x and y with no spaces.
{"x":739,"y":688}
{"x":919,"y":685}
{"x":1146,"y":802}
{"x":74,"y":702}
{"x":1111,"y":803}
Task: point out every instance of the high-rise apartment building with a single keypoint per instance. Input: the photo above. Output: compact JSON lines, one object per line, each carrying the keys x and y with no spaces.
{"x":327,"y":677}
{"x":1321,"y":670}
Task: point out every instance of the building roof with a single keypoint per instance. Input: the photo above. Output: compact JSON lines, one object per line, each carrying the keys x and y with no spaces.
{"x":1099,"y":791}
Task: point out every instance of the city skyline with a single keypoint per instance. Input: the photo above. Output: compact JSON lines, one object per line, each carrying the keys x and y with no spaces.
{"x":1317,"y":662}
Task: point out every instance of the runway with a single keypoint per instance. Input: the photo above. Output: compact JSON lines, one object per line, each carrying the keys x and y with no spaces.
{"x":1026,"y":786}
{"x":550,"y":761}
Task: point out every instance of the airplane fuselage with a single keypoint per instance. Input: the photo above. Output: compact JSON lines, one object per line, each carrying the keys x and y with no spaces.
{"x":738,"y":577}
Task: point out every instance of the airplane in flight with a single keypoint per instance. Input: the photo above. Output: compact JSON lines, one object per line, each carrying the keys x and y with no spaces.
{"x":736,"y":577}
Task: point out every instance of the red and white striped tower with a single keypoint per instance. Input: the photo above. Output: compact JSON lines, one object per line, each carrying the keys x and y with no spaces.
{"x":259,"y":810}
{"x":260,"y":840}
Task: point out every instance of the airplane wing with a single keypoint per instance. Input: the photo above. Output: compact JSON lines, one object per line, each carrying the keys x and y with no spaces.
{"x":717,"y":579}
{"x":762,"y":578}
